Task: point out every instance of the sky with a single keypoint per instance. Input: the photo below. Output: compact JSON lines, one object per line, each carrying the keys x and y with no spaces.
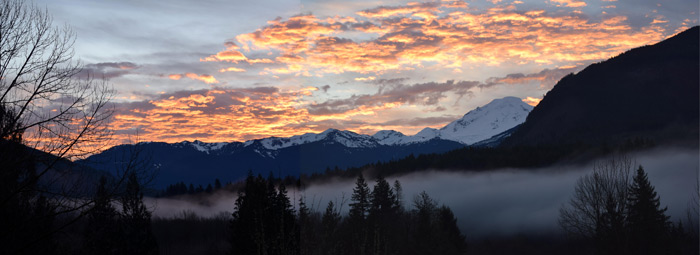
{"x":223,"y":71}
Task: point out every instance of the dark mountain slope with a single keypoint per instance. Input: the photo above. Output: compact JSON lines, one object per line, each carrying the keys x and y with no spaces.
{"x":649,"y":92}
{"x":232,"y":162}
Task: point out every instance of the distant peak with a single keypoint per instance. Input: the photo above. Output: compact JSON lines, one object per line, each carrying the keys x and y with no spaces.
{"x":508,"y":99}
{"x":427,"y":132}
{"x":387,"y":132}
{"x":384,"y":134}
{"x":330,"y":130}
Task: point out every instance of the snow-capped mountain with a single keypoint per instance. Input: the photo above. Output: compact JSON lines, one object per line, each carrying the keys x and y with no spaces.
{"x":477,"y":125}
{"x":346,"y":138}
{"x":201,"y":162}
{"x":484,"y":122}
{"x":202,"y":146}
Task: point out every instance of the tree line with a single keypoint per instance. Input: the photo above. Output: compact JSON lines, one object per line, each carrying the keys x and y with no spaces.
{"x":266,"y":222}
{"x":181,"y":189}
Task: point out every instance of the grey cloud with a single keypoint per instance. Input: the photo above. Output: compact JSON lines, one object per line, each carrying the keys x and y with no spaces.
{"x":107,"y":70}
{"x":424,"y":121}
{"x":220,"y":104}
{"x":547,"y":77}
{"x":423,"y":94}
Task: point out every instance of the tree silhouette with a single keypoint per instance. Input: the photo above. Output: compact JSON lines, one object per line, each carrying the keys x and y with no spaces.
{"x":598,"y":207}
{"x":102,"y":229}
{"x":647,"y":222}
{"x":37,"y":75}
{"x":136,"y":221}
{"x":382,"y":214}
{"x":329,"y":224}
{"x":359,"y":208}
{"x":263,"y":219}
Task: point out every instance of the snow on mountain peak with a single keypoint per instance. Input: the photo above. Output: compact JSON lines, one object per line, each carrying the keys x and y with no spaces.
{"x":477,"y":125}
{"x":389,"y":137}
{"x":484,"y":122}
{"x":202,"y":146}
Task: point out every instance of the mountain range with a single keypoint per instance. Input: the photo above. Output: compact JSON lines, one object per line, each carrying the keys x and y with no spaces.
{"x":199,"y":162}
{"x":648,"y":93}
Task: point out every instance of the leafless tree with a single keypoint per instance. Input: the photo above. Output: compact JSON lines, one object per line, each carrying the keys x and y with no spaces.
{"x":599,"y":202}
{"x":48,"y":116}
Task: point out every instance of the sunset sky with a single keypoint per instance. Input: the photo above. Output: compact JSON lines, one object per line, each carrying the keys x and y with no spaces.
{"x":222,"y":70}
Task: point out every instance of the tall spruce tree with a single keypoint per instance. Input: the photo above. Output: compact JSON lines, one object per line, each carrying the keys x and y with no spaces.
{"x":217,"y":184}
{"x":263,"y":220}
{"x":136,"y":221}
{"x":329,"y":224}
{"x":357,"y":217}
{"x":102,"y":229}
{"x":648,"y":225}
{"x":359,"y":207}
{"x":382,"y":214}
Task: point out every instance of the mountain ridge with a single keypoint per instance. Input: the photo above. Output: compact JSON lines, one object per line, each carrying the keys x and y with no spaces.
{"x":649,"y":92}
{"x":200,"y":162}
{"x":509,"y":112}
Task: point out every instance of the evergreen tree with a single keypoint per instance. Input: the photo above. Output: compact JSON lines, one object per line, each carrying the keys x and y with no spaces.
{"x":382,"y":214}
{"x":247,"y":236}
{"x":357,"y":217}
{"x":648,"y":225}
{"x":360,"y":200}
{"x":452,"y":240}
{"x":209,"y":189}
{"x":191,"y":190}
{"x":217,"y":184}
{"x":136,"y":221}
{"x":284,"y":218}
{"x":307,"y":236}
{"x":263,"y":220}
{"x":329,"y":224}
{"x":398,"y":195}
{"x":422,"y":237}
{"x":102,"y":233}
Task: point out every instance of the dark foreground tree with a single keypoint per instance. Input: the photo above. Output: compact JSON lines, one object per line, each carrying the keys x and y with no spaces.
{"x":436,"y":230}
{"x":648,"y":226}
{"x":48,"y":114}
{"x":102,"y":228}
{"x":136,"y":221}
{"x":263,"y":220}
{"x":357,"y":218}
{"x":620,"y":215}
{"x":598,"y":207}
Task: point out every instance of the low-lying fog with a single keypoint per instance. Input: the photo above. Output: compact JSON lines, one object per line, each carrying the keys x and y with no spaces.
{"x":497,"y":202}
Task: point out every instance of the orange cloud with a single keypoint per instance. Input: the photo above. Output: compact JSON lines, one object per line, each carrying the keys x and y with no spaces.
{"x":448,"y":34}
{"x":208,"y":79}
{"x":216,"y":115}
{"x":235,"y":56}
{"x":249,"y":113}
{"x":570,"y":3}
{"x":232,"y":69}
{"x":532,"y":101}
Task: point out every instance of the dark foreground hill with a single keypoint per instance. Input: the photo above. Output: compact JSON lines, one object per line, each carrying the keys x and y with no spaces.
{"x":649,"y":92}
